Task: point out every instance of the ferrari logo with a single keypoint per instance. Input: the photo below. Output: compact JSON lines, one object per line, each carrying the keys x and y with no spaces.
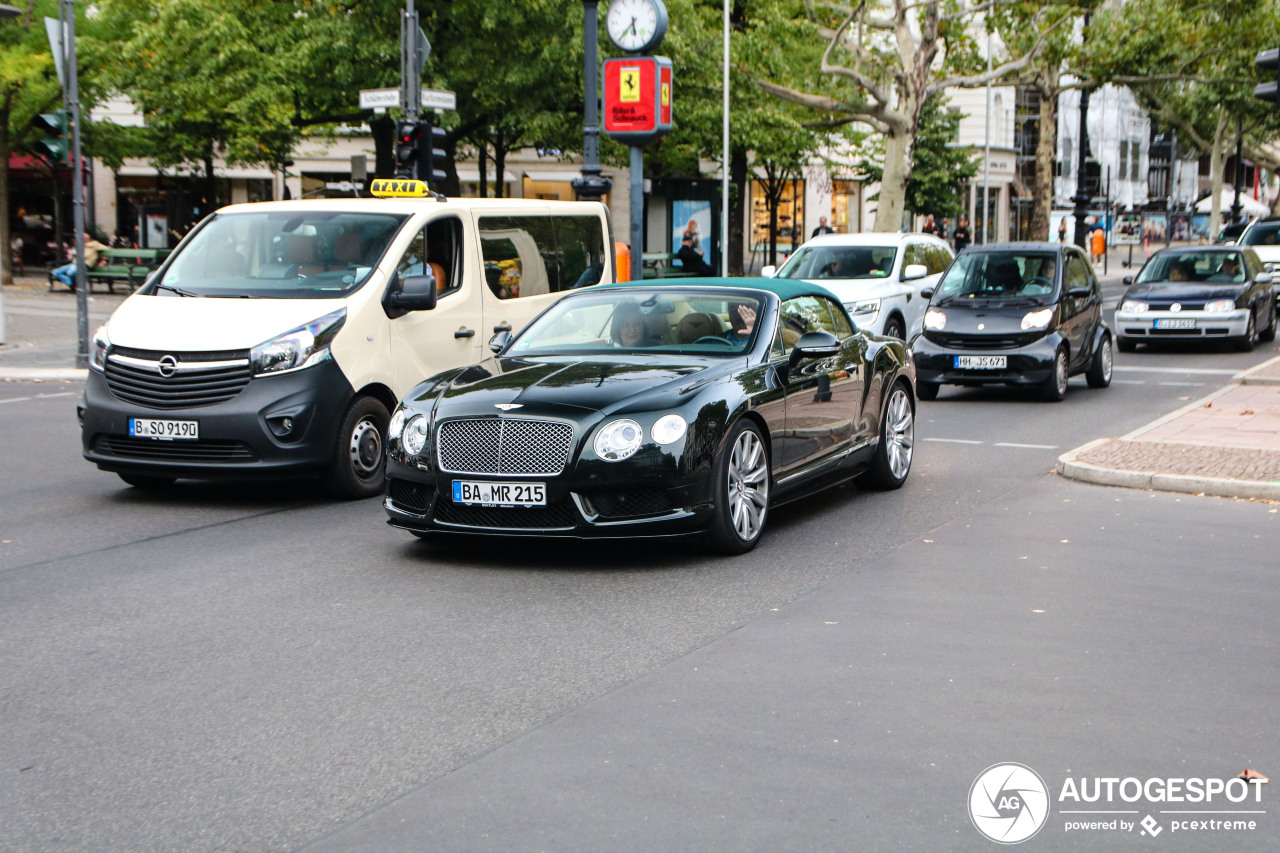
{"x":629,"y":84}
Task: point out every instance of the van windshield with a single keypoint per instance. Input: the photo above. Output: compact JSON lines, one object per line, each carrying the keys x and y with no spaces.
{"x":279,"y":255}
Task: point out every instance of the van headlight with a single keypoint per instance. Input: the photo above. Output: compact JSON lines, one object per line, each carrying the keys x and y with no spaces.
{"x":98,"y":352}
{"x":1220,"y":306}
{"x":1037,"y":319}
{"x":297,"y":348}
{"x":618,"y":440}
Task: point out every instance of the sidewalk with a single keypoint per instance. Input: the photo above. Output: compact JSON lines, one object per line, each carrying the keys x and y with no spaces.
{"x":41,"y":335}
{"x":1226,"y":444}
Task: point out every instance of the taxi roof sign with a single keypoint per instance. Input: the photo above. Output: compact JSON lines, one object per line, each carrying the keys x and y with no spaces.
{"x":399,"y":188}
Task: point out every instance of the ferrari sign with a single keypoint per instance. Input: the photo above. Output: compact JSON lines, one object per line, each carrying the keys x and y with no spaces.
{"x":637,"y":98}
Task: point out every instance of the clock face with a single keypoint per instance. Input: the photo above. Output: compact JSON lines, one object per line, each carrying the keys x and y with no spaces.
{"x":636,"y":25}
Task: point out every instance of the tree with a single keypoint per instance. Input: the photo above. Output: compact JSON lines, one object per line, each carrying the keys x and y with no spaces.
{"x":941,"y":169}
{"x":891,"y":56}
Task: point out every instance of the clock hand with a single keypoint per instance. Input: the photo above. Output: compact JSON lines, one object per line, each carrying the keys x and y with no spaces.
{"x":633,"y":26}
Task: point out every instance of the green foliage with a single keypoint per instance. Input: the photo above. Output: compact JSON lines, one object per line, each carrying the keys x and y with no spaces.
{"x":941,"y":168}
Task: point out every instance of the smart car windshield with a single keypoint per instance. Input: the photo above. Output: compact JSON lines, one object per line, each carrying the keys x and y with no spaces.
{"x":1217,"y":267}
{"x":305,"y":254}
{"x":843,"y":262}
{"x":635,"y":321}
{"x":1022,"y":278}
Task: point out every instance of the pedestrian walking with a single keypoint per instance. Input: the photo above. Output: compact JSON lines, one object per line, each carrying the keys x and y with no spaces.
{"x":962,"y":236}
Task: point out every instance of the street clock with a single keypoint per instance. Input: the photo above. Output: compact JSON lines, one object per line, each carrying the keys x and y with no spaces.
{"x":637,"y":26}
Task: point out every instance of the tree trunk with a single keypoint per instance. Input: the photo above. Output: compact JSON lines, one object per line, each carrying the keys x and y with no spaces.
{"x":484,"y":170}
{"x":737,"y":209}
{"x":499,"y":166}
{"x":1217,"y":163}
{"x":6,"y":264}
{"x":893,"y":182}
{"x":1046,"y":146}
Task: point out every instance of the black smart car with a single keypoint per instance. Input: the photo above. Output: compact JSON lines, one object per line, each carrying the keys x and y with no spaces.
{"x":1014,"y":314}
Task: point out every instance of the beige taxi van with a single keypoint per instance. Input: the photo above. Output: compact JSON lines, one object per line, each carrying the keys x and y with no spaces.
{"x":279,"y":335}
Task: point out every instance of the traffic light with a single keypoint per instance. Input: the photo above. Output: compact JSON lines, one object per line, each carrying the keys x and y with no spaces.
{"x":1269,"y":60}
{"x":409,"y":155}
{"x":435,"y":155}
{"x":56,"y":145}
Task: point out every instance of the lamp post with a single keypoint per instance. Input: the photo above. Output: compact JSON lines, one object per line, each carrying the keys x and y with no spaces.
{"x":6,"y":12}
{"x":591,"y":186}
{"x":1082,"y":198}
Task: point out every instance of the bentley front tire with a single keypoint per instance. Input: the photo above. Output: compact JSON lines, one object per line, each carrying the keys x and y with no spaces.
{"x":892,"y":461}
{"x":740,"y":489}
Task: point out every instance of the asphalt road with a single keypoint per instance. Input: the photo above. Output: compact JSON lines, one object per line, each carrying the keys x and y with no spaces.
{"x":254,"y":668}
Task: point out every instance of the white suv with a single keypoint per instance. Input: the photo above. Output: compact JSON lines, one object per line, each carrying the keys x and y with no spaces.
{"x":878,"y":277}
{"x":1263,"y":236}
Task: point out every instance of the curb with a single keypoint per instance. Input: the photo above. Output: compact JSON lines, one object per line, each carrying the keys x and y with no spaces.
{"x":1071,"y":468}
{"x":1253,"y":376}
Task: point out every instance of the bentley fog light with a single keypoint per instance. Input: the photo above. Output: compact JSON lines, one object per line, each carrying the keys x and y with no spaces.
{"x":935,"y":320}
{"x":669,"y":428}
{"x":301,"y":347}
{"x":618,"y":440}
{"x":1218,"y":306}
{"x":414,"y":436}
{"x":1037,"y":319}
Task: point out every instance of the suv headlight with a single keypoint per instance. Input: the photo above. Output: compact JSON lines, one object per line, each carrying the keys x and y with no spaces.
{"x":862,"y":308}
{"x":1131,"y":307}
{"x":1219,"y":306}
{"x":618,"y":440}
{"x":98,"y":352}
{"x":297,"y":348}
{"x":1037,"y":319}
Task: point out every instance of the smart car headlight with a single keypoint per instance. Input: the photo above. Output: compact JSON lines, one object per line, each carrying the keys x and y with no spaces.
{"x":1218,"y":306}
{"x":1131,"y":307}
{"x":414,"y":435}
{"x":1037,"y":319}
{"x":669,"y":428}
{"x":297,"y":348}
{"x":101,"y":343}
{"x":862,"y":308}
{"x":618,"y":440}
{"x":935,"y":320}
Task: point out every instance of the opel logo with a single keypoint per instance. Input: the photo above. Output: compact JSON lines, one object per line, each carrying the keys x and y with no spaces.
{"x":1177,"y":306}
{"x":168,"y":366}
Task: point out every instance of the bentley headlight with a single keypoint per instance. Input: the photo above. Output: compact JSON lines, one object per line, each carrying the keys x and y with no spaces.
{"x":617,"y":440}
{"x":935,"y":320}
{"x":397,"y":422}
{"x":669,"y":428}
{"x":1037,"y":319}
{"x":301,"y":347}
{"x":101,"y":343}
{"x":1219,"y":306}
{"x":863,"y":308}
{"x":414,"y":435}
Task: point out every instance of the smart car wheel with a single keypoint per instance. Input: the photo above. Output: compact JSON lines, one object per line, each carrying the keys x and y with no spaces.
{"x":1268,"y":334}
{"x":892,"y":461}
{"x":1245,"y":342}
{"x":741,"y":490}
{"x":1055,"y":387}
{"x":1099,"y":375}
{"x":356,"y":470}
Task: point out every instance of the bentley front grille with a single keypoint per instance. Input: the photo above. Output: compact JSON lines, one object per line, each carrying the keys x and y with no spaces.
{"x":504,"y":446}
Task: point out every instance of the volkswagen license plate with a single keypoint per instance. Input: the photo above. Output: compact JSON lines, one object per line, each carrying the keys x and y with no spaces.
{"x":499,"y":494}
{"x":1179,"y":323}
{"x":981,"y":362}
{"x":164,"y":430}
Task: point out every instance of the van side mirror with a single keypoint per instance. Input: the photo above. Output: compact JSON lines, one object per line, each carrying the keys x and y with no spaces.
{"x":914,"y":271}
{"x":411,"y":293}
{"x":814,"y":345}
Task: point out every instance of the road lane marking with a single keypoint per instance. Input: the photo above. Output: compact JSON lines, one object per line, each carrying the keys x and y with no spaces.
{"x":1182,"y":384}
{"x":954,"y":440}
{"x":1190,"y":371}
{"x":1128,"y":382}
{"x":38,"y":397}
{"x":1028,"y":446}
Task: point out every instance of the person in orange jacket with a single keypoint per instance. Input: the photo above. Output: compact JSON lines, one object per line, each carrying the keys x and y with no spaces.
{"x":1097,"y":243}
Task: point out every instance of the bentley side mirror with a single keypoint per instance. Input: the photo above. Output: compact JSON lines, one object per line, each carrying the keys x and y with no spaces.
{"x":499,"y":341}
{"x":814,"y":345}
{"x":1079,"y":292}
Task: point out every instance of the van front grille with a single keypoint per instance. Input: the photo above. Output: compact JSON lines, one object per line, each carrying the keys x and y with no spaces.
{"x":176,"y":380}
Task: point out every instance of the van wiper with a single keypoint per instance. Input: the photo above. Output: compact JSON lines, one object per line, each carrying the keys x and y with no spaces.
{"x":177,"y":290}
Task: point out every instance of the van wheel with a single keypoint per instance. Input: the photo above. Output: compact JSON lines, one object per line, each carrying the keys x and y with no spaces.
{"x":142,"y":481}
{"x":1099,"y":375}
{"x":359,"y":460}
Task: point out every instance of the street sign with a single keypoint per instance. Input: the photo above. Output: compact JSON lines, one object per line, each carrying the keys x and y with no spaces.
{"x":637,"y":98}
{"x":432,"y":99}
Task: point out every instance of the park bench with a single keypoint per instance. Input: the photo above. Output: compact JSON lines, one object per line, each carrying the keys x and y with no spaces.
{"x":123,"y":266}
{"x":659,"y":265}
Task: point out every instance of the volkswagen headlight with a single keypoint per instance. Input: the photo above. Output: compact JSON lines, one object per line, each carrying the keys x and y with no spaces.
{"x":618,"y":440}
{"x":935,"y":320}
{"x":1037,"y":319}
{"x":669,"y":428}
{"x":297,"y":348}
{"x":862,"y":308}
{"x":1131,"y":307}
{"x":101,"y":343}
{"x":414,"y":435}
{"x":1219,"y":306}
